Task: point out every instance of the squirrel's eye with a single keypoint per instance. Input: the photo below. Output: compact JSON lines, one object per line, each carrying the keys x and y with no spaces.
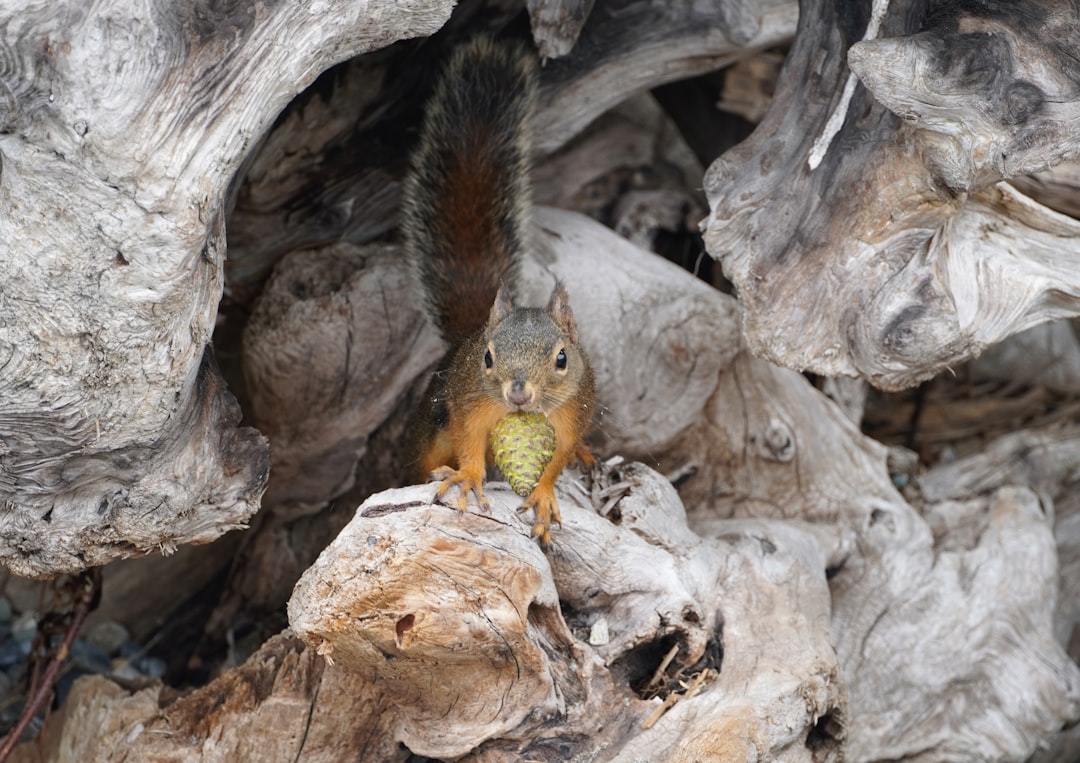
{"x":560,"y":360}
{"x":488,"y":361}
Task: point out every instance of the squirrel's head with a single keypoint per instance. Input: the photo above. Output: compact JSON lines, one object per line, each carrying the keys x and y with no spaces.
{"x":532,"y":361}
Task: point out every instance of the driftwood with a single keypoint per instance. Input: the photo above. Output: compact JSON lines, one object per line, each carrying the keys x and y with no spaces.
{"x":788,"y":602}
{"x":330,"y":169}
{"x":897,"y":223}
{"x":312,"y":310}
{"x":870,"y":540}
{"x":1047,"y":355}
{"x":818,"y":622}
{"x":118,"y":434}
{"x":491,"y":610}
{"x":556,"y":24}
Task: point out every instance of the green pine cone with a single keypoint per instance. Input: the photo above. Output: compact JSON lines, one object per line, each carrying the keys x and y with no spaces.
{"x":523,"y":444}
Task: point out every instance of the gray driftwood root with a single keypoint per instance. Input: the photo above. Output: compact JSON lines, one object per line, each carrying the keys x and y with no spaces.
{"x":874,"y":214}
{"x":119,"y":136}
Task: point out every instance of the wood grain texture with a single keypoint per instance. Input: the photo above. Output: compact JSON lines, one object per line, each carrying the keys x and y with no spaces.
{"x":845,"y":619}
{"x":122,"y":132}
{"x":309,"y":346}
{"x":556,"y":24}
{"x":331,"y":168}
{"x":490,"y":594}
{"x":848,"y":616}
{"x":784,"y":494}
{"x":886,"y":250}
{"x":628,"y":46}
{"x":280,"y":705}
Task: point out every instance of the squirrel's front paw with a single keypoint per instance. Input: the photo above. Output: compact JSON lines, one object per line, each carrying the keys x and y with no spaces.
{"x":546,"y":511}
{"x":466,"y":482}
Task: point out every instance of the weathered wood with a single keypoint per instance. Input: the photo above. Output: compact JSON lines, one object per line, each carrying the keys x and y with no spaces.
{"x":958,"y":603}
{"x":325,"y":310}
{"x":1055,"y":187}
{"x":749,"y":440}
{"x":556,"y":24}
{"x":867,"y":598}
{"x":630,"y":46}
{"x":850,"y":618}
{"x":1066,"y":745}
{"x":121,"y":134}
{"x":487,"y":610}
{"x":282,"y":705}
{"x":490,"y":609}
{"x":886,"y":241}
{"x":631,"y":170}
{"x":330,"y":169}
{"x":1047,"y":355}
{"x":992,"y":88}
{"x":331,"y":312}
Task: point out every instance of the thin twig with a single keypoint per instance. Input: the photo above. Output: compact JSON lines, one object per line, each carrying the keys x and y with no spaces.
{"x":84,"y":603}
{"x":659,"y":677}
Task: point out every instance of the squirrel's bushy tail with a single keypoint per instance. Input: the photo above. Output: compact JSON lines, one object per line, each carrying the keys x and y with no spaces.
{"x":466,"y":196}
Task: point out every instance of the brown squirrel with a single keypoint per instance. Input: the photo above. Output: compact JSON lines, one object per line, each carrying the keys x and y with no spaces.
{"x":465,"y":222}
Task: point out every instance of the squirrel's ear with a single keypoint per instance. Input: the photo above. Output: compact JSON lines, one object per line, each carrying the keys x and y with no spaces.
{"x":502,"y":307}
{"x":559,"y":309}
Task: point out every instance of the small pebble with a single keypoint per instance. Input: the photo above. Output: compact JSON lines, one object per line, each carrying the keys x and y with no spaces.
{"x":25,"y":626}
{"x":109,"y":635}
{"x":154,"y":667}
{"x":13,"y":652}
{"x":598,"y":634}
{"x":130,"y":649}
{"x":90,"y":657}
{"x":124,"y":669}
{"x":10,"y":712}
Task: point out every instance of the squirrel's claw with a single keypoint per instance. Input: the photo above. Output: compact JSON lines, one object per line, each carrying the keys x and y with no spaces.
{"x":465,"y":482}
{"x":546,"y":512}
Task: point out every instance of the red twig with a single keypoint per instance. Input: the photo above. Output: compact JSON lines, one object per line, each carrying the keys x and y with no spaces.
{"x":87,"y":590}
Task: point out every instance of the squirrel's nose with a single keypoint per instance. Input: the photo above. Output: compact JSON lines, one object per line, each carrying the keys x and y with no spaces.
{"x":520,"y":393}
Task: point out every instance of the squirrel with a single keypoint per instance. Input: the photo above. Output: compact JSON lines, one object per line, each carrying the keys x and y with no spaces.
{"x":465,"y":224}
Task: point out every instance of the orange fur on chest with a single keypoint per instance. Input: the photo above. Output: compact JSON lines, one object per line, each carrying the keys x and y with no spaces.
{"x":467,"y":441}
{"x":472,"y":424}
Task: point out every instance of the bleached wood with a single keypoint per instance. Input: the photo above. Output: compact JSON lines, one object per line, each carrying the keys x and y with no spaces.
{"x":1055,"y":187}
{"x":319,"y":322}
{"x":331,"y":168}
{"x":1047,"y":355}
{"x":484,"y":608}
{"x":556,"y":24}
{"x":488,"y":608}
{"x":689,"y":333}
{"x":823,"y":558}
{"x":281,"y":705}
{"x":897,"y":256}
{"x":993,"y":93}
{"x":325,"y":309}
{"x":829,"y":590}
{"x":961,"y":605}
{"x":627,"y":48}
{"x":122,"y":128}
{"x":1066,"y":745}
